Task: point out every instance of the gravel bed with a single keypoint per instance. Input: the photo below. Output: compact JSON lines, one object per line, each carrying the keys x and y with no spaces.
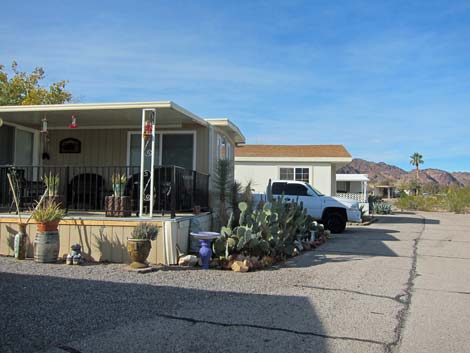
{"x":50,"y":303}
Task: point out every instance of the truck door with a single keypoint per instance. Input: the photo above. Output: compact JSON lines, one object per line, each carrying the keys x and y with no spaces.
{"x":311,"y":201}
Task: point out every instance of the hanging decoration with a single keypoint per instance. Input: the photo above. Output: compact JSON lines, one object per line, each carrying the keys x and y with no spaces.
{"x":149,"y":122}
{"x":73,"y":124}
{"x":45,"y":139}
{"x":44,"y":125}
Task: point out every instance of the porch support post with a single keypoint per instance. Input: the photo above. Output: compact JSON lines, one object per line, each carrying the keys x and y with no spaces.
{"x":143,"y":154}
{"x":364,"y":191}
{"x":142,"y":167}
{"x":152,"y":163}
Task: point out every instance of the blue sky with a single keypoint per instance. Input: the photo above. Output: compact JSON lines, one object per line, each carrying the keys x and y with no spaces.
{"x":385,"y":79}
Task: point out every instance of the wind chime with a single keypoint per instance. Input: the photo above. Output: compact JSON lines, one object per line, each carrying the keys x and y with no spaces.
{"x":45,"y":139}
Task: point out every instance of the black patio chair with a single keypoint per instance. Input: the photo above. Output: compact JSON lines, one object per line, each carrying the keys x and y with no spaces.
{"x":86,"y":191}
{"x":28,"y":192}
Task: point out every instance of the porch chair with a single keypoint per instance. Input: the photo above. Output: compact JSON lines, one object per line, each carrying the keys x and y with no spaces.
{"x":28,"y":192}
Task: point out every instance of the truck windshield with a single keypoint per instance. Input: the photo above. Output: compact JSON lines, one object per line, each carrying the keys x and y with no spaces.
{"x":315,"y":190}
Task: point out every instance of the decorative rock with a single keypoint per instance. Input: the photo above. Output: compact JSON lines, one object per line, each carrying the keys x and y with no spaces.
{"x":267,"y":261}
{"x":307,"y":246}
{"x":215,"y":263}
{"x":240,"y":258}
{"x":239,"y":266}
{"x":69,"y":260}
{"x":255,"y":264}
{"x":188,"y":260}
{"x":296,"y":252}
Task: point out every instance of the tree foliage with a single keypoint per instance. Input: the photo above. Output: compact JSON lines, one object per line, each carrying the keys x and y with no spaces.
{"x":416,"y":159}
{"x":25,"y":89}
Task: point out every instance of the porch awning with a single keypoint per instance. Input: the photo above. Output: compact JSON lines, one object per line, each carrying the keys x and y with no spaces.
{"x":123,"y":115}
{"x":352,"y":177}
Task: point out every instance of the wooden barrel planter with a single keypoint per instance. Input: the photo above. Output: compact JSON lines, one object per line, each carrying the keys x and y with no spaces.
{"x":118,"y":206}
{"x":46,"y":246}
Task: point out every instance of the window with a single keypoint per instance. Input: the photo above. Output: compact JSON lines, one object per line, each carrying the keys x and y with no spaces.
{"x":343,"y":186}
{"x":298,"y":174}
{"x":279,"y":188}
{"x":134,"y":150}
{"x":173,"y":148}
{"x":177,"y":149}
{"x":296,"y":190}
{"x":224,"y":148}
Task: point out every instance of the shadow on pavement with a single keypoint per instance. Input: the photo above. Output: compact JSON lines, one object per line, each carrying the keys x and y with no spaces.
{"x":400,"y":218}
{"x":71,"y":315}
{"x":356,"y":243}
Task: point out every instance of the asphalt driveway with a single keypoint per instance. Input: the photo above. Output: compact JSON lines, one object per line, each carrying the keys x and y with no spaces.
{"x":399,"y":285}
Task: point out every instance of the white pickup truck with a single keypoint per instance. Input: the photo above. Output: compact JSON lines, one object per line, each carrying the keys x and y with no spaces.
{"x":333,"y":212}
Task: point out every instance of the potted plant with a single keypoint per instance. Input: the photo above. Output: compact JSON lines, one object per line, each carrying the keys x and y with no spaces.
{"x":47,"y":243}
{"x":139,"y":244}
{"x":119,"y":181}
{"x":48,"y":216}
{"x":118,"y":205}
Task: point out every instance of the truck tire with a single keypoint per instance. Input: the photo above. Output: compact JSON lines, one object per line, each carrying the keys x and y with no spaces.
{"x":335,"y":222}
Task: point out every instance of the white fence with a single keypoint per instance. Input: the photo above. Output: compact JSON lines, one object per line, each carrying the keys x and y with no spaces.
{"x":359,"y":196}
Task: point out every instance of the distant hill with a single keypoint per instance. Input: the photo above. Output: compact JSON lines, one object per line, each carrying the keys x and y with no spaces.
{"x":382,"y":173}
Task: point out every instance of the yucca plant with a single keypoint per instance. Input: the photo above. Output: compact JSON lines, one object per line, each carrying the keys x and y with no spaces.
{"x":49,"y":212}
{"x":52,"y":184}
{"x":118,"y":180}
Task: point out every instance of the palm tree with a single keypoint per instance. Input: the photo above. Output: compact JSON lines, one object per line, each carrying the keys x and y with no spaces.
{"x":416,"y":159}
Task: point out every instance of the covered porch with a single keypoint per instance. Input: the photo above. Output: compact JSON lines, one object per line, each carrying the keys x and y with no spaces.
{"x":159,"y":150}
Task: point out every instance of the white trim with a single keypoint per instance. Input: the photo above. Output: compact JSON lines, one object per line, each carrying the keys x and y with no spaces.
{"x":104,"y":106}
{"x":109,"y":127}
{"x":211,"y":150}
{"x":226,"y":123}
{"x":29,"y":129}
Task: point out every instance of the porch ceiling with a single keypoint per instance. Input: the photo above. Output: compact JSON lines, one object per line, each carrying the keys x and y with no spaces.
{"x":93,"y":115}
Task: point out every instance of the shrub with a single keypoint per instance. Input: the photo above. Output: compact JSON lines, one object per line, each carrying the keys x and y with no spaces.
{"x":145,"y":230}
{"x":382,"y":207}
{"x":459,"y":200}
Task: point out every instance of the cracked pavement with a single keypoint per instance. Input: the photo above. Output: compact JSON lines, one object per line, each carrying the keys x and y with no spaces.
{"x":399,"y":285}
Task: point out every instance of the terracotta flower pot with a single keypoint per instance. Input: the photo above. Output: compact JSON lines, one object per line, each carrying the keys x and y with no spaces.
{"x":139,"y":250}
{"x":47,"y":227}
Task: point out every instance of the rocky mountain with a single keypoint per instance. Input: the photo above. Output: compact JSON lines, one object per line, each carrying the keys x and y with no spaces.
{"x":382,"y":173}
{"x":463,"y":177}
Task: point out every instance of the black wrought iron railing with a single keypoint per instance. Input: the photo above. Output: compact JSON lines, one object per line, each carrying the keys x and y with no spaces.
{"x":85,"y":188}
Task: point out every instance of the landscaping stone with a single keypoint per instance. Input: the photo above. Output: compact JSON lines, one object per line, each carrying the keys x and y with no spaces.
{"x":188,"y":260}
{"x":240,"y":266}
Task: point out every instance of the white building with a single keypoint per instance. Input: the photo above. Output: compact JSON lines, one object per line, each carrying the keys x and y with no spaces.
{"x":314,"y":164}
{"x":353,"y":186}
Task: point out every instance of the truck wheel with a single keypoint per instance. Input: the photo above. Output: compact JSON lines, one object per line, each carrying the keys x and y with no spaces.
{"x":335,"y":222}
